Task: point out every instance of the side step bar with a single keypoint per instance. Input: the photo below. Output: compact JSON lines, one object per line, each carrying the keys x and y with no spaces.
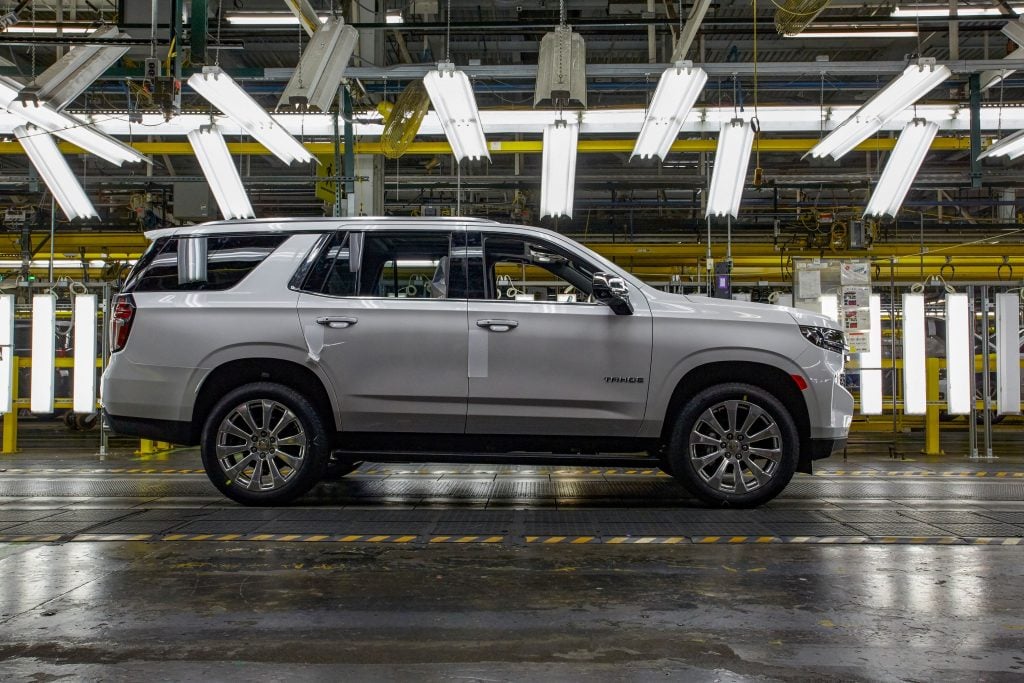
{"x":598,"y":460}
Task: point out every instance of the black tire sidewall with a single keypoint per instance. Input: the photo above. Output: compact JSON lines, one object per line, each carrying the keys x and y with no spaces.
{"x":313,"y":465}
{"x":686,"y":474}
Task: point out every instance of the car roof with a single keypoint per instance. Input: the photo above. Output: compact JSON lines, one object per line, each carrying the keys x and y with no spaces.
{"x":315,"y":224}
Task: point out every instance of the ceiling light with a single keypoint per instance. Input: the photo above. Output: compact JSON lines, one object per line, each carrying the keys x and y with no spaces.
{"x":44,"y":322}
{"x":221,"y":174}
{"x":933,"y":12}
{"x":317,"y":78}
{"x":852,"y":34}
{"x":84,"y":370}
{"x":394,"y":16}
{"x":871,"y":362}
{"x":913,"y":84}
{"x":75,"y":131}
{"x":735,"y":140}
{"x":69,"y":76}
{"x":1007,"y":356}
{"x":225,"y":94}
{"x":55,"y":172}
{"x":959,"y":356}
{"x":901,"y":168}
{"x":561,"y":69}
{"x":265,"y":18}
{"x":558,"y":175}
{"x":678,"y":88}
{"x":915,"y":400}
{"x":452,"y":96}
{"x":1011,"y":146}
{"x":47,"y":29}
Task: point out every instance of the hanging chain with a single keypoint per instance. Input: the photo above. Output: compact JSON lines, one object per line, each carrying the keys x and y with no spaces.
{"x":448,"y":32}
{"x":561,"y":13}
{"x":33,"y":43}
{"x":1002,"y":83}
{"x":220,"y":22}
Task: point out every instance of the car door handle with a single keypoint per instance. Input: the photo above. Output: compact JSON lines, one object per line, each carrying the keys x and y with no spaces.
{"x":498,"y":325}
{"x":336,"y":323}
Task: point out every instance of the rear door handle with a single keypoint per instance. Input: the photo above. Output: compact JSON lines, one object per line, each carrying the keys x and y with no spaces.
{"x":498,"y":325}
{"x":336,"y":323}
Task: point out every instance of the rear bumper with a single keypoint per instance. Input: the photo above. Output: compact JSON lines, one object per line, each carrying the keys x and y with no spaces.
{"x":157,"y":430}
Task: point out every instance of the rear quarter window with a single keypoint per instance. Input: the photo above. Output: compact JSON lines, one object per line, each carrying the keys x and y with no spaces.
{"x":202,"y":263}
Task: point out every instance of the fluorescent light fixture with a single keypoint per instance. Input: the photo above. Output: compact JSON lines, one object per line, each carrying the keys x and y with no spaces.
{"x":75,"y":131}
{"x":1008,"y":353}
{"x":901,"y":168}
{"x":47,"y":29}
{"x":935,"y":12}
{"x":871,"y":362}
{"x":959,"y":356}
{"x":558,"y":174}
{"x":829,"y":306}
{"x":394,"y":16}
{"x":69,"y":76}
{"x":452,"y":96}
{"x":265,"y":18}
{"x":678,"y":88}
{"x":225,"y":94}
{"x":84,"y":388}
{"x":317,"y":78}
{"x":1011,"y":146}
{"x":44,"y":320}
{"x":735,"y":140}
{"x":916,"y":81}
{"x":58,"y":264}
{"x":852,"y":34}
{"x":6,"y":352}
{"x":55,"y":172}
{"x":221,"y":174}
{"x":915,"y":376}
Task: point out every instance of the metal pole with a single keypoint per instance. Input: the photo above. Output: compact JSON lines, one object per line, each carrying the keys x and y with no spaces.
{"x":104,"y":354}
{"x":892,"y":340}
{"x":336,"y":212}
{"x":53,"y":229}
{"x":985,"y":381}
{"x":350,"y":153}
{"x":972,"y":417}
{"x":709,"y":266}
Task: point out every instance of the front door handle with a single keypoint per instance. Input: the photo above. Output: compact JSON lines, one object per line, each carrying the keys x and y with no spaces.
{"x":498,"y":325}
{"x":336,"y":323}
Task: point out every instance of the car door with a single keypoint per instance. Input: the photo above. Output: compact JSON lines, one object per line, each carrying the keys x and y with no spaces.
{"x":543,"y":359}
{"x":375,"y":314}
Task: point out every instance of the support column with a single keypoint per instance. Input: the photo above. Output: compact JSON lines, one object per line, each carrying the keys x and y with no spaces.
{"x":974,"y":85}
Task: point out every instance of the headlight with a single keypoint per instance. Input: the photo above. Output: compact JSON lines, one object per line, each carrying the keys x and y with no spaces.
{"x":825,"y":337}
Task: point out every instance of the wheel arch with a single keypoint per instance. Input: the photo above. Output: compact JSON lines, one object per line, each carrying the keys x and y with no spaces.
{"x":772,"y":379}
{"x":236,"y":373}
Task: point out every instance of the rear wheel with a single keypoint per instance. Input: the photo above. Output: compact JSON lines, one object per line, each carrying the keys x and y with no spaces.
{"x":264,"y":444}
{"x":734,"y":444}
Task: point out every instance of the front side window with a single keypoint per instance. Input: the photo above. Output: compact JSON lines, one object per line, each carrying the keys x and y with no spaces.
{"x":528,"y":269}
{"x":405,"y":265}
{"x":202,"y":262}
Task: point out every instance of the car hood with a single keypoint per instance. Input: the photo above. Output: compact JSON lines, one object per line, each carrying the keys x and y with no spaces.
{"x":728,"y":309}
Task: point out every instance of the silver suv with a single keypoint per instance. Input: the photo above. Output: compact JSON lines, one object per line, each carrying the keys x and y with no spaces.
{"x":290,"y":350}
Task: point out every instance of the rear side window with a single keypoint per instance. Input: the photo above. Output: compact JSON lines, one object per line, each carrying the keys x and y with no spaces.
{"x":201,"y":263}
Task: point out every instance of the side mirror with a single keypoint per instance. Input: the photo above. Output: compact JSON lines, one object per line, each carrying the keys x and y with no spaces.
{"x":611,"y":290}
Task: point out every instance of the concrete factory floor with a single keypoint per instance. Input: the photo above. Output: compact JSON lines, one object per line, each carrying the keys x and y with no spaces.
{"x":871,"y":569}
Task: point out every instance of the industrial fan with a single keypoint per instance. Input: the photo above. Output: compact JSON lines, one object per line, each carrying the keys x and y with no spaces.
{"x":403,"y":121}
{"x":793,"y":16}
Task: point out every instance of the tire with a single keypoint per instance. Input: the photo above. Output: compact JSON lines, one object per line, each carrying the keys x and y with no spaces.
{"x":731,"y":413}
{"x":241,"y":450}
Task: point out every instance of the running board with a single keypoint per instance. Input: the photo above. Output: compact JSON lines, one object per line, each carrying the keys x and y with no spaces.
{"x":599,"y":460}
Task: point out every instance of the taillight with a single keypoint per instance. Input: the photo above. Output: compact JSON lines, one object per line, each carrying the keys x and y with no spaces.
{"x":121,"y":321}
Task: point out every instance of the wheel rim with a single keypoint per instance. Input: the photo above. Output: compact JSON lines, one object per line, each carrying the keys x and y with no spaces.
{"x":261,"y":445}
{"x":736,"y":447}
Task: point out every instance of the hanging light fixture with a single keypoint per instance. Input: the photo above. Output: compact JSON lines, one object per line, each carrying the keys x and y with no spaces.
{"x":452,"y":96}
{"x":45,"y":117}
{"x":1008,"y":353}
{"x":871,"y":362}
{"x":558,"y":174}
{"x":959,"y":356}
{"x":7,"y":360}
{"x":44,"y":322}
{"x":915,"y":397}
{"x":317,"y":78}
{"x":222,"y":176}
{"x":901,"y":168}
{"x":678,"y":88}
{"x":224,"y":93}
{"x":1011,"y":146}
{"x":916,"y":81}
{"x":735,"y":142}
{"x":53,"y":168}
{"x":84,"y":370}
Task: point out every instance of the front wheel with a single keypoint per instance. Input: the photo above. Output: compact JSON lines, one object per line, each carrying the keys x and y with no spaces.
{"x":264,"y":444}
{"x":734,"y":444}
